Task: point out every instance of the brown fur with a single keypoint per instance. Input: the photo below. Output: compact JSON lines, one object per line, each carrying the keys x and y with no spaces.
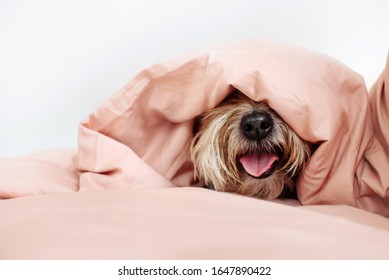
{"x":219,"y":142}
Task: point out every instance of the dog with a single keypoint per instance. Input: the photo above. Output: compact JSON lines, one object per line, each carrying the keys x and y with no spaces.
{"x":245,"y":147}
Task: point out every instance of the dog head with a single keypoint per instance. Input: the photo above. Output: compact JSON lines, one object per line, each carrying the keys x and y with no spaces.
{"x":245,"y":147}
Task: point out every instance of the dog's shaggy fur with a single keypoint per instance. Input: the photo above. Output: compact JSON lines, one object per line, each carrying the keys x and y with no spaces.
{"x":245,"y":147}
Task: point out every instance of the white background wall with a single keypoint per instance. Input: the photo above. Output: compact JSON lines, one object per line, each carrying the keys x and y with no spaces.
{"x":59,"y":60}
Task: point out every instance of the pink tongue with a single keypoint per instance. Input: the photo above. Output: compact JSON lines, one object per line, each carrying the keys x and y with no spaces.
{"x":257,"y":164}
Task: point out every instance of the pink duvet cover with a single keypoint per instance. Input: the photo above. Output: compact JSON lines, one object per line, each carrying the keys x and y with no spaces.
{"x":126,"y":192}
{"x":143,"y":132}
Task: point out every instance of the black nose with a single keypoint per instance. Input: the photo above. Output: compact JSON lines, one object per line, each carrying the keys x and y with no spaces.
{"x":256,"y":125}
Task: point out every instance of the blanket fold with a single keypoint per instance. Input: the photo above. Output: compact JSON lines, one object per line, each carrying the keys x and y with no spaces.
{"x":140,"y":137}
{"x":39,"y":173}
{"x":142,"y":133}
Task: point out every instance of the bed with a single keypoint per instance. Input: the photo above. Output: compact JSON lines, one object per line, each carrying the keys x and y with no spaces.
{"x":127,"y":191}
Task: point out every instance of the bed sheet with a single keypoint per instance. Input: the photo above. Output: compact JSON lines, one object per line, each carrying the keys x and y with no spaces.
{"x":127,"y":191}
{"x":60,"y":222}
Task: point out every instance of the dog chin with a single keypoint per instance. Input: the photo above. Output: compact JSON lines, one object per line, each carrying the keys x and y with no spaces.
{"x":268,"y":188}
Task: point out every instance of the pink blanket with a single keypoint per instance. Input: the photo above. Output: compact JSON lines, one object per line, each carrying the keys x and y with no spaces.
{"x":141,"y":135}
{"x":183,"y":223}
{"x":127,"y":192}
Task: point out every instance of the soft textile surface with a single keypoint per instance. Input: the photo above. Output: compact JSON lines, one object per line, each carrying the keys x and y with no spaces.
{"x":39,"y":173}
{"x":181,"y":223}
{"x":117,"y":196}
{"x":140,"y":137}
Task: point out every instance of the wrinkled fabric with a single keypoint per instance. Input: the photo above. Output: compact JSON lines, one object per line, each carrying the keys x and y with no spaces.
{"x":125,"y":194}
{"x":46,"y":217}
{"x":140,"y":137}
{"x":42,"y":172}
